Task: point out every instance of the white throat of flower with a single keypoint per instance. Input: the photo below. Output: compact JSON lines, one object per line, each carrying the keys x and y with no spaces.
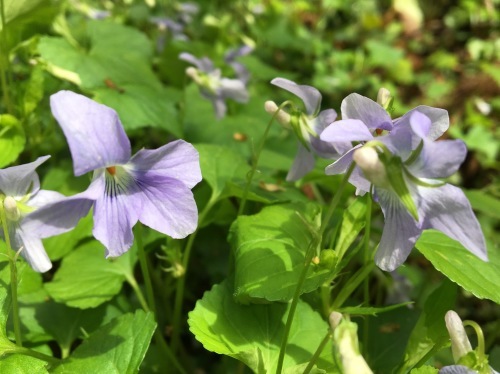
{"x":117,"y":180}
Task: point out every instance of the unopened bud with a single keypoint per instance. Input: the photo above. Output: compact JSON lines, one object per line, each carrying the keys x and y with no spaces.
{"x":460,"y":344}
{"x":334,"y":319}
{"x":193,"y":73}
{"x":11,"y":210}
{"x":282,"y":116}
{"x":384,"y":98}
{"x":346,"y":341}
{"x":373,"y":169}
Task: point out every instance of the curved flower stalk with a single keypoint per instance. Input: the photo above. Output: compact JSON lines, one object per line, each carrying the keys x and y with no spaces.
{"x":20,"y":195}
{"x":213,"y":86}
{"x":468,"y":361}
{"x":308,"y":127}
{"x":403,"y":165}
{"x":153,"y":186}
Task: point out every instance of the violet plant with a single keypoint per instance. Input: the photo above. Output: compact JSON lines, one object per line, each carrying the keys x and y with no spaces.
{"x":213,"y":86}
{"x":153,"y":186}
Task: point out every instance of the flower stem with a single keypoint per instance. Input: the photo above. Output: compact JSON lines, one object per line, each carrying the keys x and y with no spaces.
{"x":315,"y":357}
{"x":38,"y":355}
{"x":255,"y":158}
{"x":181,"y":283}
{"x":13,"y":278}
{"x":145,"y":272}
{"x":367,"y":258}
{"x":303,"y":274}
{"x":151,"y":305}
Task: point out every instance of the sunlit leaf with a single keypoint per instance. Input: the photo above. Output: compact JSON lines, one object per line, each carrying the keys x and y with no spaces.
{"x":269,"y":250}
{"x":118,"y":347}
{"x":86,"y":279}
{"x":252,"y":333}
{"x":459,"y":265}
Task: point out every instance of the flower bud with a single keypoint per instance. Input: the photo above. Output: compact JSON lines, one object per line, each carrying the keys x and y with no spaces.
{"x":346,"y":342}
{"x":373,"y":169}
{"x":192,"y":73}
{"x":384,"y":98}
{"x":11,"y":210}
{"x":460,"y":344}
{"x":334,"y":319}
{"x":282,"y":116}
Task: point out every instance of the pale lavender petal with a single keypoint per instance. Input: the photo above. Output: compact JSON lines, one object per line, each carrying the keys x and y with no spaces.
{"x":17,"y":181}
{"x":456,"y":369}
{"x":204,"y":64}
{"x":347,"y":130}
{"x":302,"y":164}
{"x":439,"y":159}
{"x":325,"y":118}
{"x":439,"y":118}
{"x":56,"y":213}
{"x":32,"y":250}
{"x":420,"y":124}
{"x":447,"y":209}
{"x":372,"y":114}
{"x":240,"y":70}
{"x":309,"y":95}
{"x":114,"y":216}
{"x":400,"y":233}
{"x":320,"y":147}
{"x":232,"y":54}
{"x":178,"y":159}
{"x":220,"y":107}
{"x":168,"y":206}
{"x":357,"y":179}
{"x":342,"y":164}
{"x":94,"y":132}
{"x":233,"y":89}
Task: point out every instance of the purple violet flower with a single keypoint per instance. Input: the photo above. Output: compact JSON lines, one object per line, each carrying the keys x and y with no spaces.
{"x":20,"y":194}
{"x":403,"y":165}
{"x":213,"y":86}
{"x":308,"y":127}
{"x":153,"y":186}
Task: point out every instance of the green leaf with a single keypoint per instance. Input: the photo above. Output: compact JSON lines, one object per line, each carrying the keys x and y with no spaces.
{"x":270,"y":248}
{"x":425,"y":370}
{"x":118,"y":347}
{"x":86,"y":279}
{"x":58,"y":246}
{"x":17,"y":8}
{"x":484,"y":203}
{"x":139,"y":105}
{"x":12,"y":139}
{"x":22,"y":364}
{"x":387,"y":337}
{"x":462,"y":267}
{"x":372,"y":311}
{"x":4,"y":293}
{"x":220,"y":165}
{"x":116,"y":68}
{"x":430,"y":331}
{"x":33,"y":92}
{"x":353,"y":221}
{"x":252,"y":333}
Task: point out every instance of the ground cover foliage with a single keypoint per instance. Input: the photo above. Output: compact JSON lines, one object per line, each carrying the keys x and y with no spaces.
{"x":244,"y":256}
